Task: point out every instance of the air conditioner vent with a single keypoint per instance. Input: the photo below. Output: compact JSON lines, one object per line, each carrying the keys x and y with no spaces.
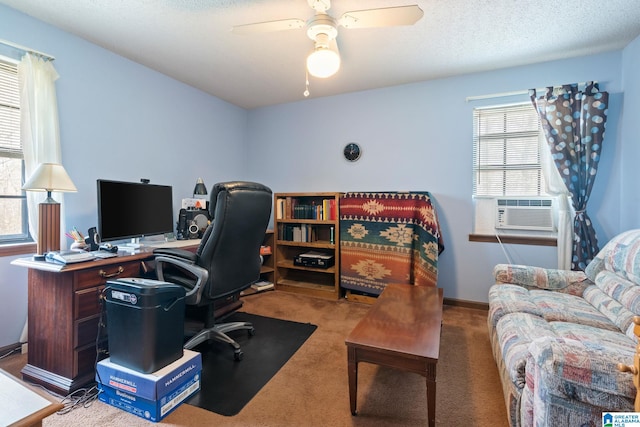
{"x":524,"y":202}
{"x":525,"y":214}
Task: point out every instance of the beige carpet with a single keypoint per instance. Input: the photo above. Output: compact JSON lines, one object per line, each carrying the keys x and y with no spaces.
{"x":312,"y":390}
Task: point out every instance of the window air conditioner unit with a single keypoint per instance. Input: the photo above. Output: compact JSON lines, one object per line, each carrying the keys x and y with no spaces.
{"x":534,"y":214}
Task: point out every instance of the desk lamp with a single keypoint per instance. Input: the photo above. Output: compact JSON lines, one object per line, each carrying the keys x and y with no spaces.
{"x":200,"y":192}
{"x":49,"y":177}
{"x":200,"y":189}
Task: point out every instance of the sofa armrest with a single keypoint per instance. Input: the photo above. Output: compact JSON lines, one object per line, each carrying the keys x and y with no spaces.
{"x":571,"y":382}
{"x":569,"y":369}
{"x":530,"y":277}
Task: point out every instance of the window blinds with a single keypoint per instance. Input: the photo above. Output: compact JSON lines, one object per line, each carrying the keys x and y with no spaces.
{"x":506,"y":159}
{"x":10,"y":145}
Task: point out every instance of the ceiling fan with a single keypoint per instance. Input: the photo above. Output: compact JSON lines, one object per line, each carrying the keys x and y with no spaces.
{"x":322,"y":28}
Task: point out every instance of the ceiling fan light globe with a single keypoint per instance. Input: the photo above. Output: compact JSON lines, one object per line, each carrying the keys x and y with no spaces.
{"x":323,"y":63}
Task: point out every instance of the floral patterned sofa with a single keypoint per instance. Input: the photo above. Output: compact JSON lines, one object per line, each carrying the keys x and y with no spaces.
{"x":557,"y":337}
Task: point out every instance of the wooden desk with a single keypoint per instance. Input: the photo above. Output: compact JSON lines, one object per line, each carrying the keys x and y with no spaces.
{"x":64,"y":311}
{"x":401,"y":331}
{"x":23,"y":405}
{"x":63,"y":314}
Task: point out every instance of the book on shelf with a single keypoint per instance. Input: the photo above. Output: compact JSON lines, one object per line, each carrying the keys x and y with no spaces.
{"x":300,"y":208}
{"x":326,"y":209}
{"x":289,"y":203}
{"x":298,"y":233}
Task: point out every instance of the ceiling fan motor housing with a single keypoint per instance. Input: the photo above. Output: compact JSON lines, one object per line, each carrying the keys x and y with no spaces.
{"x":322,"y":24}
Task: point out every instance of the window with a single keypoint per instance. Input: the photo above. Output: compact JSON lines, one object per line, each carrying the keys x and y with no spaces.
{"x":506,"y":160}
{"x":508,"y":182}
{"x":13,"y":204}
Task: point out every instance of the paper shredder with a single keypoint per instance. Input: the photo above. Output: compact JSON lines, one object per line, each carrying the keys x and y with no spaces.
{"x":145,"y":323}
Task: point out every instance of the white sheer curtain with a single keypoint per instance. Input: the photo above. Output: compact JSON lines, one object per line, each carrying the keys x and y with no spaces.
{"x":555,"y":187}
{"x":39,"y":129}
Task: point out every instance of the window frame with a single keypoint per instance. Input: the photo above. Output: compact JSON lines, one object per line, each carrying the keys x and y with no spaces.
{"x":10,"y":151}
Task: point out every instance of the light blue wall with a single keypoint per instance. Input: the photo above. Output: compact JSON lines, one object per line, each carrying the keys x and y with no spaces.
{"x":120,"y":120}
{"x":630,"y":206}
{"x":419,"y":137}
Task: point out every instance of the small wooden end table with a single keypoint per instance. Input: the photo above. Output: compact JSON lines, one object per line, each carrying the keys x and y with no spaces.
{"x":401,"y":331}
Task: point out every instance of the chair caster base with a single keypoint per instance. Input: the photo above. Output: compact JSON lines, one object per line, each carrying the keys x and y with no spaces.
{"x":238,"y":355}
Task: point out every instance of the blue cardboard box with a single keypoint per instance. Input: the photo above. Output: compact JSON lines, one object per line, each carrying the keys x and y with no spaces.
{"x":150,"y":396}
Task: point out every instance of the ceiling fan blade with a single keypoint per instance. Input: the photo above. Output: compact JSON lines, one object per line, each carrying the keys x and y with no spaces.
{"x":269,"y":26}
{"x":384,"y":17}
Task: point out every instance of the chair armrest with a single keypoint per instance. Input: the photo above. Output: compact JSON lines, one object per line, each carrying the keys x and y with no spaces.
{"x":200,"y":274}
{"x":176,"y":253}
{"x":567,"y":281}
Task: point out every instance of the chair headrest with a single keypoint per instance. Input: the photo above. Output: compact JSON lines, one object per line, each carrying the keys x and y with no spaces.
{"x":229,"y":187}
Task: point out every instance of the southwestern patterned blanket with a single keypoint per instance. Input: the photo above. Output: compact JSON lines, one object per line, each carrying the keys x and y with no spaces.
{"x":389,"y":237}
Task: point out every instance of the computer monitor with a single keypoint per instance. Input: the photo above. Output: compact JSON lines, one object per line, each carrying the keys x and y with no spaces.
{"x":131,"y":210}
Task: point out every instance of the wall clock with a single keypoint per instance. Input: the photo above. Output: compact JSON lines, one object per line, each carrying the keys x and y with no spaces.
{"x":352,"y":151}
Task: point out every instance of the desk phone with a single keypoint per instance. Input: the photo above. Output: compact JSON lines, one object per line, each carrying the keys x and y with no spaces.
{"x":68,"y":257}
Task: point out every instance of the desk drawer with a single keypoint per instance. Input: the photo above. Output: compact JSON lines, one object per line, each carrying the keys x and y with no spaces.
{"x":98,"y":276}
{"x":87,"y":302}
{"x":86,"y":331}
{"x":85,"y":359}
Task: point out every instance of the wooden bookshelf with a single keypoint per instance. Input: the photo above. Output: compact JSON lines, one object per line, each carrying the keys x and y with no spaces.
{"x":307,"y":222}
{"x":267,"y":271}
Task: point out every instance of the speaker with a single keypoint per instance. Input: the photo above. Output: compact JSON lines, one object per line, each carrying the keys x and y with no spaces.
{"x":93,"y":239}
{"x":192,"y":223}
{"x":182,"y":225}
{"x":193,"y":230}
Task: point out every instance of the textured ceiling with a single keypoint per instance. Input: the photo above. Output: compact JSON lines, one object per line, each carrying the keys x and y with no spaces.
{"x":191,"y":41}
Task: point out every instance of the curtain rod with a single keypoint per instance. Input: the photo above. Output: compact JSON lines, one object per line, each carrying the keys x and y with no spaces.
{"x":512,"y":93}
{"x":9,"y":48}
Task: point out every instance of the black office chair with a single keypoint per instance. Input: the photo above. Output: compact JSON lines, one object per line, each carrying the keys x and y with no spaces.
{"x":227,"y":260}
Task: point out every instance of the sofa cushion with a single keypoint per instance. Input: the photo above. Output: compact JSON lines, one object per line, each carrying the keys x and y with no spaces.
{"x":621,"y":255}
{"x":504,"y":299}
{"x":515,"y":331}
{"x":617,"y":298}
{"x":624,"y":259}
{"x":541,"y":278}
{"x":555,"y":306}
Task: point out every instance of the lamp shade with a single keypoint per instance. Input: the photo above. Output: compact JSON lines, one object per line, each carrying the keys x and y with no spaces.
{"x":200,"y":189}
{"x":323,"y":62}
{"x":49,"y":177}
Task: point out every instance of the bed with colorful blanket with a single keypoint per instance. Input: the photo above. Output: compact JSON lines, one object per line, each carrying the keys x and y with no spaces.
{"x":388,"y":237}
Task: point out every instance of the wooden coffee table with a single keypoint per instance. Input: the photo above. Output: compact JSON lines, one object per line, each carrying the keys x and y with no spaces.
{"x":401,"y":331}
{"x":22,"y":405}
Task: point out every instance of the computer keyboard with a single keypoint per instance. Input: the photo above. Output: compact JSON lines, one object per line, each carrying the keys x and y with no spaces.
{"x":103,"y":254}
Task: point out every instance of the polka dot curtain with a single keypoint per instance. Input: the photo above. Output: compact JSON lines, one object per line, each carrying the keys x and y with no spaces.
{"x":573,"y":122}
